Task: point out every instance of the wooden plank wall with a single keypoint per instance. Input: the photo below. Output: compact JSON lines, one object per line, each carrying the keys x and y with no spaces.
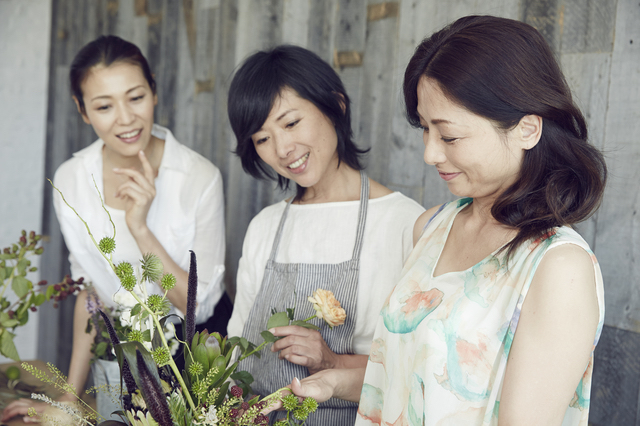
{"x":194,"y":45}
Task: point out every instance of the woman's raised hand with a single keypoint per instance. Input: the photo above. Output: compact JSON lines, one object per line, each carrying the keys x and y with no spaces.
{"x":304,"y":347}
{"x":138,"y":192}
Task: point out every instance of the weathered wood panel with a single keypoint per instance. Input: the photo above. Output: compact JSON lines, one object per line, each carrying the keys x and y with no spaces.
{"x":616,"y":379}
{"x":618,"y":226}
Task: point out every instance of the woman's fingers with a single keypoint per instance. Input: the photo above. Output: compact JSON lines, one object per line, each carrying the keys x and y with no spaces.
{"x":303,"y":347}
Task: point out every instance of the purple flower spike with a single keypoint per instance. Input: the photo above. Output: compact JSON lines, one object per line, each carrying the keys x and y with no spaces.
{"x":112,"y":332}
{"x":153,"y":395}
{"x":192,"y":290}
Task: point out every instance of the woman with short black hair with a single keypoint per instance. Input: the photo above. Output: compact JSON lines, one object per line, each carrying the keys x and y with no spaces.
{"x":341,"y":232}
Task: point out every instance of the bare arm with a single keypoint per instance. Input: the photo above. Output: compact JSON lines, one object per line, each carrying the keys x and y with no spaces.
{"x":554,"y":340}
{"x":341,"y":383}
{"x":307,"y":348}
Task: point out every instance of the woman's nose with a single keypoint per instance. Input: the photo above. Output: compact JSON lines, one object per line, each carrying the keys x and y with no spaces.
{"x":433,"y":153}
{"x":284,"y":145}
{"x":125,"y":115}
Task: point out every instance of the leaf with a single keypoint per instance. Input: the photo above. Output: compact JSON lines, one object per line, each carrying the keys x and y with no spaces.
{"x":101,"y":348}
{"x":146,"y":335}
{"x":290,"y":312}
{"x":39,"y":299}
{"x":223,"y":393}
{"x":21,"y":286}
{"x":279,"y":319}
{"x":305,"y":325}
{"x":23,"y":318}
{"x":6,"y":321}
{"x":242,"y":376}
{"x":7,"y":347}
{"x":22,"y":265}
{"x":136,"y":309}
{"x":3,"y":274}
{"x":200,"y":355}
{"x":268,"y":336}
{"x":49,"y":292}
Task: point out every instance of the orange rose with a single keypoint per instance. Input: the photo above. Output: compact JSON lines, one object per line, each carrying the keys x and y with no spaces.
{"x":327,"y":307}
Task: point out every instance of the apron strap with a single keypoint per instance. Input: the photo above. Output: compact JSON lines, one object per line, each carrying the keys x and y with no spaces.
{"x":276,"y":241}
{"x":362,"y":216}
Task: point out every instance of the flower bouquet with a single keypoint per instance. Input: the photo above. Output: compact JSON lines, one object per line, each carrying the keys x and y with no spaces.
{"x":209,"y":391}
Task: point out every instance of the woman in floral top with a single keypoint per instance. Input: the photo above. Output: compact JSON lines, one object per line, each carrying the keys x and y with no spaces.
{"x":500,"y":304}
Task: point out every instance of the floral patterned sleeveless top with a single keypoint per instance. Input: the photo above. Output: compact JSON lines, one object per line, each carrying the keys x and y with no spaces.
{"x":441,"y":344}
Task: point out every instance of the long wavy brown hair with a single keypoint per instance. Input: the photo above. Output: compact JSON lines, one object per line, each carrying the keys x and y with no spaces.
{"x":502,"y":70}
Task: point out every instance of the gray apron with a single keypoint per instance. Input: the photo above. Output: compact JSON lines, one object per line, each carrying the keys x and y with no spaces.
{"x":287,"y":285}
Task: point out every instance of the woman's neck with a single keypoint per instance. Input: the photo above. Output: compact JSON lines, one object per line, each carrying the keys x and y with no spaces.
{"x":341,"y":185}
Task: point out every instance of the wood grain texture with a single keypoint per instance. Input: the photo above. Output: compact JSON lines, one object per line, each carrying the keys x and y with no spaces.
{"x":616,"y":379}
{"x":618,"y":226}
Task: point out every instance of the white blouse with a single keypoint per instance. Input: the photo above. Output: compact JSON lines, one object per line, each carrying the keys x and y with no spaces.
{"x":186,"y":214}
{"x":325,"y":233}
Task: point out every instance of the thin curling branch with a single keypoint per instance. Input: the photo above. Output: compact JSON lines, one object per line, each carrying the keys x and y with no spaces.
{"x":192,"y":290}
{"x":127,"y":377}
{"x":154,"y":397}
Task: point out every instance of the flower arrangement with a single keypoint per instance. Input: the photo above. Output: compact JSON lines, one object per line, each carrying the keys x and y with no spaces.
{"x":209,"y":391}
{"x":14,"y":269}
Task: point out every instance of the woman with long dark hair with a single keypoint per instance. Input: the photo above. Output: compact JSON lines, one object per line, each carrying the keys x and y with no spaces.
{"x":500,"y":304}
{"x":163,"y":197}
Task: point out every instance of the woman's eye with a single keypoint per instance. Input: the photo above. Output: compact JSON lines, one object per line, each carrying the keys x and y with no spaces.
{"x":137,"y":98}
{"x":103,"y":108}
{"x":261,"y":141}
{"x":424,"y":128}
{"x":292,"y":124}
{"x":448,"y":140}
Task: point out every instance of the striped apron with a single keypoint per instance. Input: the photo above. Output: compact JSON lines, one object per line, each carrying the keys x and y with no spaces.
{"x":287,"y":285}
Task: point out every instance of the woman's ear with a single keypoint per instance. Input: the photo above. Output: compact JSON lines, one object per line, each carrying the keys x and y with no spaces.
{"x":529,"y":130}
{"x":82,"y":112}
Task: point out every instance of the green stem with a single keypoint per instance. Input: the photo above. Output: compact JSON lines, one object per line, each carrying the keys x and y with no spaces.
{"x":310,"y":318}
{"x":172,"y":363}
{"x":258,"y":349}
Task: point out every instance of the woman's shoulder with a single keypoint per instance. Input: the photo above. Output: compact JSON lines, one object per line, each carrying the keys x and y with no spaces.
{"x":82,"y":162}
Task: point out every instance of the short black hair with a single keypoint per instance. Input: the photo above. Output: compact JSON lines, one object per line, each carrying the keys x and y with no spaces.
{"x":258,"y":83}
{"x":105,"y":50}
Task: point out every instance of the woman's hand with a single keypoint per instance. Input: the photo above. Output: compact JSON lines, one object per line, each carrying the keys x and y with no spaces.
{"x":20,"y":407}
{"x":304,"y":347}
{"x":138,"y":192}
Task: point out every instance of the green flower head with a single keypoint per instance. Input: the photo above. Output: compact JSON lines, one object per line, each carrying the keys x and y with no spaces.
{"x":124,"y":269}
{"x":155,"y":303}
{"x":168,"y":282}
{"x":195,"y":368}
{"x":128,"y":282}
{"x":300,"y":414}
{"x":290,"y":402}
{"x":151,"y":267}
{"x":310,"y":405}
{"x":135,"y":336}
{"x":161,"y":356}
{"x":107,"y":245}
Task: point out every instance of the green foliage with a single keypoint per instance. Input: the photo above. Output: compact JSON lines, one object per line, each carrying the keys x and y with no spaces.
{"x":151,"y":267}
{"x":15,"y":267}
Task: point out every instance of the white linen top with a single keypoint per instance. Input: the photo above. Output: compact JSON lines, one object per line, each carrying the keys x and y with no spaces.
{"x":186,"y":214}
{"x":326,"y":233}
